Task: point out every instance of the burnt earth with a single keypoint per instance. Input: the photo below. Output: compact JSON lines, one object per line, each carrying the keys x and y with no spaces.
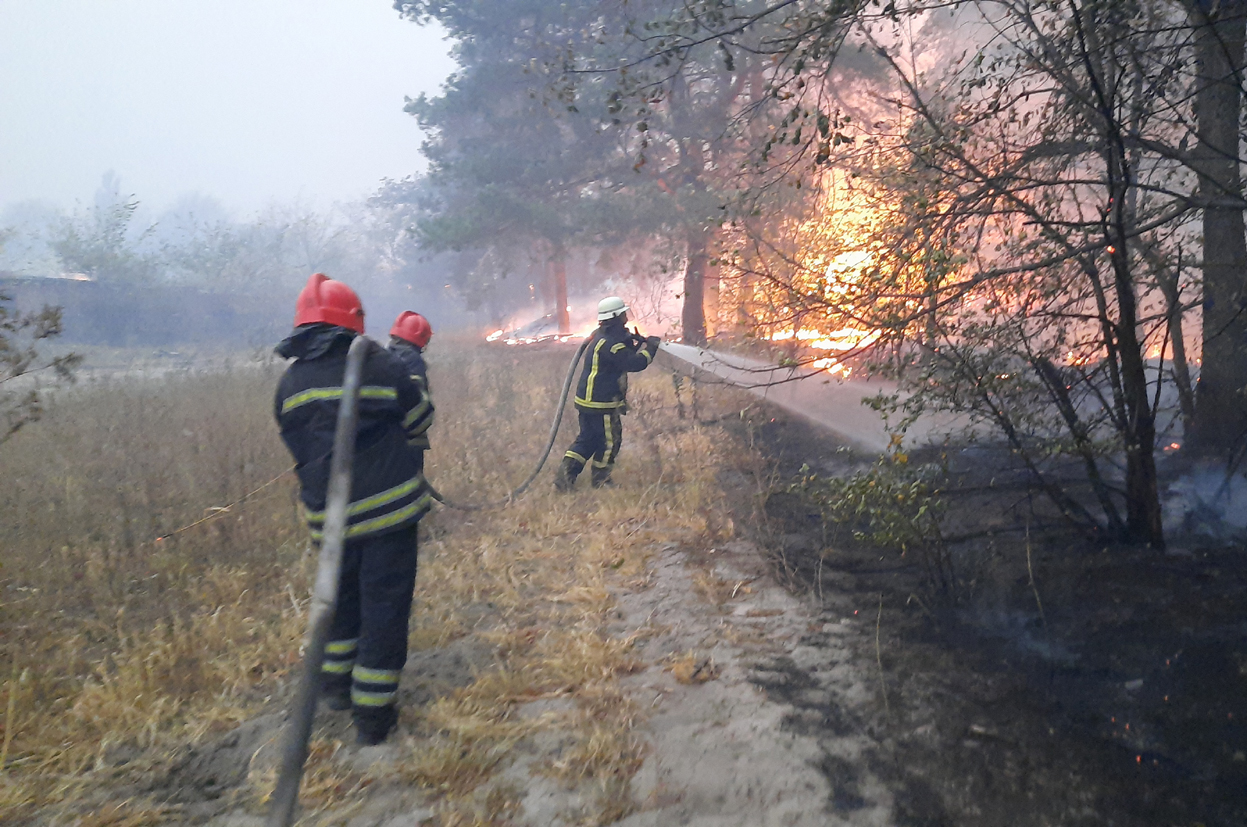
{"x":1122,"y":702}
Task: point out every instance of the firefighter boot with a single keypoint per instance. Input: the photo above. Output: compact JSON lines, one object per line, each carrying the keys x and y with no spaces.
{"x":336,"y":692}
{"x":565,"y":477}
{"x":601,"y":478}
{"x":373,"y":723}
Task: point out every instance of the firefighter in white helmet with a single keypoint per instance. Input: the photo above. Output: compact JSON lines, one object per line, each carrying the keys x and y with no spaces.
{"x":612,"y":353}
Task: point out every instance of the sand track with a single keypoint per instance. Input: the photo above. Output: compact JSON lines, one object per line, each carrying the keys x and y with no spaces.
{"x":723,"y":752}
{"x":727,"y":751}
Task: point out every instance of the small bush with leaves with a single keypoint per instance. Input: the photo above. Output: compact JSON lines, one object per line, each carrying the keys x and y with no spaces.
{"x":893,"y":504}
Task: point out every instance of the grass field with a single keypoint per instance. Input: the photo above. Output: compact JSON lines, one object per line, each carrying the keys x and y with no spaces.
{"x":119,"y":649}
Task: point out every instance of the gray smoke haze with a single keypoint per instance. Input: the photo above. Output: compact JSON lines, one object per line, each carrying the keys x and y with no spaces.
{"x":247,"y":102}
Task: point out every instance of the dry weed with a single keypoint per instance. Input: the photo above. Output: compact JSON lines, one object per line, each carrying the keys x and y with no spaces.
{"x":126,"y":814}
{"x":132,"y":648}
{"x":691,"y":668}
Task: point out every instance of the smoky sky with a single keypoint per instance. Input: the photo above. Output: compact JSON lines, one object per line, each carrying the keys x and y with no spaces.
{"x":251,"y":102}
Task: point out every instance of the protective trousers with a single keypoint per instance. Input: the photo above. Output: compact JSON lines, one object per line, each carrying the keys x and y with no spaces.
{"x":368,"y":637}
{"x":600,"y":436}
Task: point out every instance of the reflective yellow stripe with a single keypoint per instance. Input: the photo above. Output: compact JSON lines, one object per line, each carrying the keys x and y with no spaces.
{"x":372,"y":698}
{"x":388,"y":496}
{"x":341,"y":647}
{"x":599,"y":406}
{"x":336,"y":667}
{"x":369,"y":503}
{"x":618,"y":347}
{"x":575,"y":456}
{"x":422,"y":427}
{"x":378,"y":523}
{"x":392,"y":519}
{"x":593,"y":374}
{"x":649,"y":357}
{"x":317,"y":394}
{"x":417,"y":412}
{"x":363,"y":673}
{"x":610,"y":441}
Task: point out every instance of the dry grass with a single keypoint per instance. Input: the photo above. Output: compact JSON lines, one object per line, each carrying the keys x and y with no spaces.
{"x":127,"y":649}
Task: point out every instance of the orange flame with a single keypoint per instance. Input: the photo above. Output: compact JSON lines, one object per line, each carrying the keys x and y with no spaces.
{"x":844,"y":340}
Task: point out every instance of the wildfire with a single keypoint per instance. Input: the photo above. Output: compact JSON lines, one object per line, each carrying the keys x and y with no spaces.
{"x":845,"y":340}
{"x":515,"y":338}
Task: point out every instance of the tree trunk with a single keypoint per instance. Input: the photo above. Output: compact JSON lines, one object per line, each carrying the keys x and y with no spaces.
{"x":558,"y":279}
{"x":1143,"y":514}
{"x":1220,"y":405}
{"x":694,"y":314}
{"x":1137,"y":419}
{"x":1138,"y":430}
{"x":1169,"y":286}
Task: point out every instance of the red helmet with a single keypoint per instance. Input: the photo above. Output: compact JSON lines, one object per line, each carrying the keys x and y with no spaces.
{"x":412,"y":327}
{"x":329,"y":301}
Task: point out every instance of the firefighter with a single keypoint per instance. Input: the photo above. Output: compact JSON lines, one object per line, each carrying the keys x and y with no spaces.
{"x":409,"y":337}
{"x":612,"y":353}
{"x":368,"y":636}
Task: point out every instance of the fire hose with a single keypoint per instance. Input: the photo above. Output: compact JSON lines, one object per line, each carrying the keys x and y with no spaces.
{"x":545,"y":454}
{"x":325,"y":592}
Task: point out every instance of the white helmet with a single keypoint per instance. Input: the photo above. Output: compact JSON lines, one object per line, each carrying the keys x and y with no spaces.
{"x":610,"y":307}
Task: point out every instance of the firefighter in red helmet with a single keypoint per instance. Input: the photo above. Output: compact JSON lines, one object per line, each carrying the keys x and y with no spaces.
{"x":409,"y":337}
{"x":368,"y":636}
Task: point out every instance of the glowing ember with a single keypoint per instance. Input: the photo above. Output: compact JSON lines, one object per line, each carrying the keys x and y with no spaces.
{"x":1074,"y":360}
{"x":513,"y":339}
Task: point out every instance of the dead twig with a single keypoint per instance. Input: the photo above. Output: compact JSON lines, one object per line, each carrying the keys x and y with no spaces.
{"x":883,"y":684}
{"x":1030,"y":573}
{"x":9,"y":712}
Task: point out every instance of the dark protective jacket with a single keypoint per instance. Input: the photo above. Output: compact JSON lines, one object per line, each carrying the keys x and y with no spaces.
{"x":412,"y":359}
{"x":388,"y":492}
{"x":612,"y":353}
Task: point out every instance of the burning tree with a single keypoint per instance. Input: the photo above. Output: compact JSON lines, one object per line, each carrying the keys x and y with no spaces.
{"x":1033,"y":261}
{"x":1003,"y":198}
{"x":1039,"y":224}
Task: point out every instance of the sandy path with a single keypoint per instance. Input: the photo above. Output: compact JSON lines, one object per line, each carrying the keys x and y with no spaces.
{"x":721,"y":752}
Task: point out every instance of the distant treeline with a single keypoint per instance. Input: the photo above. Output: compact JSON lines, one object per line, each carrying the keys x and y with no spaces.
{"x":128,"y":315}
{"x":102,"y":314}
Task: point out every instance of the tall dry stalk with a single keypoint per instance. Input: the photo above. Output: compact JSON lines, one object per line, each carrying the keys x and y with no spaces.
{"x":9,"y":719}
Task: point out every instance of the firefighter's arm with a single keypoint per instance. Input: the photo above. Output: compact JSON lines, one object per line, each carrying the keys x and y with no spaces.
{"x":636,"y":360}
{"x":283,"y":425}
{"x":423,"y":409}
{"x":417,"y":408}
{"x":415,"y":405}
